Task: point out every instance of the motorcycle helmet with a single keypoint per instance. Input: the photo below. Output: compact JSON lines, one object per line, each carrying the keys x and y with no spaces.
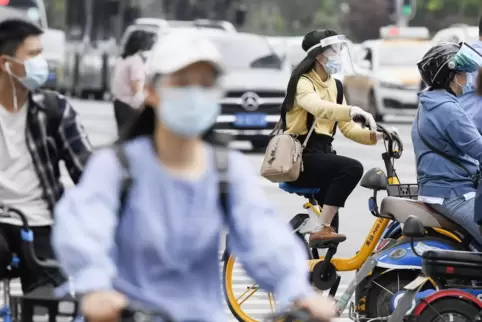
{"x":439,"y":65}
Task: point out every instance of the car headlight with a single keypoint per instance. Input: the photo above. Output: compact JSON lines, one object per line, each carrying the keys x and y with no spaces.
{"x":391,"y":85}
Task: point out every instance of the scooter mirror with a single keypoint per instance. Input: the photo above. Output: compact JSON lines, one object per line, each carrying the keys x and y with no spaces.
{"x":413,"y":228}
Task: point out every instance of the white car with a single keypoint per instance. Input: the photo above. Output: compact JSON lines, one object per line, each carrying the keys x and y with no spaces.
{"x":457,"y":33}
{"x":387,"y":80}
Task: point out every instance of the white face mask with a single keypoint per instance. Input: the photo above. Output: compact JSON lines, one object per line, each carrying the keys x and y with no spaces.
{"x":189,"y":111}
{"x":36,"y":74}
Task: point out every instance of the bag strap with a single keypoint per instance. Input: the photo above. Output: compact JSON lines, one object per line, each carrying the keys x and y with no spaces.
{"x":472,"y":177}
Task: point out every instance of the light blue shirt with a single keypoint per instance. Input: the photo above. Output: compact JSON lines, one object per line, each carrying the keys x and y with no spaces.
{"x":471,"y":102}
{"x":164,"y":252}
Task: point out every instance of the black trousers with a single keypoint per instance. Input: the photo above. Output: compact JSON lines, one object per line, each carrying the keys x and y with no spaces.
{"x":124,"y":114}
{"x":336,"y":176}
{"x":31,"y":278}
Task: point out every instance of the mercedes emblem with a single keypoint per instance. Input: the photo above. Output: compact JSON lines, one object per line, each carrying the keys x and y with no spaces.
{"x":250,"y":101}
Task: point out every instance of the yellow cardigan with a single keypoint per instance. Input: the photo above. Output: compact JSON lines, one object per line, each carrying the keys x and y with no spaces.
{"x":322,"y":104}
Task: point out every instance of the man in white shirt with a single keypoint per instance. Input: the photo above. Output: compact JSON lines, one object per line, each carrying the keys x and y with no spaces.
{"x":37,"y":130}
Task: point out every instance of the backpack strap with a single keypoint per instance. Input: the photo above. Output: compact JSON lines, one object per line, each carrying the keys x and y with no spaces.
{"x":221,"y":159}
{"x":126,"y":179}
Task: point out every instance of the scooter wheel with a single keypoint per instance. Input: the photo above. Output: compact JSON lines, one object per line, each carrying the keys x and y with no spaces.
{"x":324,"y":277}
{"x":450,"y":309}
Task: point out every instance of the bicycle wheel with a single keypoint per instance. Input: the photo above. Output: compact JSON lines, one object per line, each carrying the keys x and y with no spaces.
{"x":246,"y":301}
{"x":450,"y":309}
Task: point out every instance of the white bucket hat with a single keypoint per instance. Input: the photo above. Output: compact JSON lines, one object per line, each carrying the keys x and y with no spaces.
{"x":178,"y":49}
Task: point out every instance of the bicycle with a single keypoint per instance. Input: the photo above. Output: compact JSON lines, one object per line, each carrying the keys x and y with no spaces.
{"x":293,"y":315}
{"x":456,"y":300}
{"x":324,"y":269}
{"x":10,"y":311}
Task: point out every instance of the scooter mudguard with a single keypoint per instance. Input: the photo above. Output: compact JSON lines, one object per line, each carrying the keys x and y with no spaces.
{"x":401,"y":256}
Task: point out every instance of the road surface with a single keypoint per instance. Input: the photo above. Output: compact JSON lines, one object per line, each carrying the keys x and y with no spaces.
{"x":356,"y":220}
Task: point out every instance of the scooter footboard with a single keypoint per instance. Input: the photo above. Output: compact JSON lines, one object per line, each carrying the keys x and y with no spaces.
{"x":401,"y":256}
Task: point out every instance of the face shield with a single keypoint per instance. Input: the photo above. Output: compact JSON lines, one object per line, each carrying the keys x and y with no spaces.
{"x":337,"y":50}
{"x":467,"y":60}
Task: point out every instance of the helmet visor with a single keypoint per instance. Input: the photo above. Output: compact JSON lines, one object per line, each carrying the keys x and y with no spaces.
{"x":467,"y":60}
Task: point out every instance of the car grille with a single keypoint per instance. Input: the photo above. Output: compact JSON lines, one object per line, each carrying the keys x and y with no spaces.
{"x":240,"y":117}
{"x":270,"y":109}
{"x":268,"y":102}
{"x":261,"y":94}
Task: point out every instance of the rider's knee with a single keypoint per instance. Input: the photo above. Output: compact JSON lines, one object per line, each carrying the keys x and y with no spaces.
{"x":354,"y":170}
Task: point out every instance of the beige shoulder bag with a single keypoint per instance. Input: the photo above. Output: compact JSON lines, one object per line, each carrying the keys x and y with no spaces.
{"x":283,"y":158}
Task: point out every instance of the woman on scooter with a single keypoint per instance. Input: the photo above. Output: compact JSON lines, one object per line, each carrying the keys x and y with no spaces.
{"x":312,"y":97}
{"x":448,"y":146}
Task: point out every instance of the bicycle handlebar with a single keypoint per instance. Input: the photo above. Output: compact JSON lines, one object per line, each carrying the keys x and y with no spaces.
{"x":296,"y":314}
{"x":392,"y":138}
{"x":138,"y":313}
{"x":27,"y":238}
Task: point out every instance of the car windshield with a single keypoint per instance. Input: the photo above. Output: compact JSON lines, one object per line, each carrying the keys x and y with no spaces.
{"x":402,"y":54}
{"x":247,"y":52}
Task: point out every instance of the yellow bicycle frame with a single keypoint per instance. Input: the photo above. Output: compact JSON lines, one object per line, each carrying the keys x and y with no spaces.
{"x":374,"y":236}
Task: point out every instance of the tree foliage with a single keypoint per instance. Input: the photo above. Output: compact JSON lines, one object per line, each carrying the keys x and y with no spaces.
{"x":361,"y":22}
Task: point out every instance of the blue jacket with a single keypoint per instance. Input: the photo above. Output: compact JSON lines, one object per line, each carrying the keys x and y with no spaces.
{"x":471,"y":102}
{"x":446,"y":126}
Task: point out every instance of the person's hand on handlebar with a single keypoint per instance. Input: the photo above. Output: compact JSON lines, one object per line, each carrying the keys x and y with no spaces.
{"x":103,"y":306}
{"x":358,"y":113}
{"x":392,"y":130}
{"x":320,"y":307}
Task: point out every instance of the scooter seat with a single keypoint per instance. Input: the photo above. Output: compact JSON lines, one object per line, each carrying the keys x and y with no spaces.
{"x":308,"y":192}
{"x":450,"y":264}
{"x":399,"y":209}
{"x":453,"y":255}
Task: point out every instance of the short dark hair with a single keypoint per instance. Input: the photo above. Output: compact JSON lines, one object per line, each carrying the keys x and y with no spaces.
{"x":138,"y":40}
{"x":13,"y":32}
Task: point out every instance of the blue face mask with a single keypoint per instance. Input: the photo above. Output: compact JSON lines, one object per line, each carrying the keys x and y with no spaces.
{"x":36,"y":73}
{"x":189,"y":111}
{"x":332,"y":66}
{"x":468,"y":87}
